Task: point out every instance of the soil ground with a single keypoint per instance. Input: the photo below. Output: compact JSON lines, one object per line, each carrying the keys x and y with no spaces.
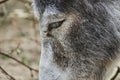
{"x":19,"y":37}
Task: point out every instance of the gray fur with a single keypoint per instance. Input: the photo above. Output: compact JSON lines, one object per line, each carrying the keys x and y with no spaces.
{"x":86,"y":45}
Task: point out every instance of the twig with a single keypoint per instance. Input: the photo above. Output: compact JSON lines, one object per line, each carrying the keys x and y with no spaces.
{"x":31,"y":74}
{"x":25,"y":1}
{"x":35,"y":40}
{"x":5,"y":11}
{"x":11,"y":78}
{"x":1,"y":53}
{"x":12,"y":51}
{"x":34,"y":28}
{"x":116,"y":74}
{"x":3,"y":1}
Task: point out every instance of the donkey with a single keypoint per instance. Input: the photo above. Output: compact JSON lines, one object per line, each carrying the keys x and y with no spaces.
{"x":80,"y":39}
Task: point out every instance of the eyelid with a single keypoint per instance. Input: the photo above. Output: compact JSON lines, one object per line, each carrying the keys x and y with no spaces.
{"x":56,"y":24}
{"x":53,"y":20}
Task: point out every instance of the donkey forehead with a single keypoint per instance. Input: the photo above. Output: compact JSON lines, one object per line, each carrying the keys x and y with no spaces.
{"x":44,"y":3}
{"x":50,"y":1}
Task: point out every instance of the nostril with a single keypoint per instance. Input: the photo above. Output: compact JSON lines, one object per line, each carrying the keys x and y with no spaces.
{"x":55,"y":25}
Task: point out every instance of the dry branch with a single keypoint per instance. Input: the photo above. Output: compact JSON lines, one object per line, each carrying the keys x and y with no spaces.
{"x":4,"y":72}
{"x":31,"y":69}
{"x":25,"y":1}
{"x":3,"y":1}
{"x":12,"y":51}
{"x":35,"y":40}
{"x":116,"y":74}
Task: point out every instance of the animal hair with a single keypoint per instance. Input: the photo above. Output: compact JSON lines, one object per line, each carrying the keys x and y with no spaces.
{"x":86,"y":46}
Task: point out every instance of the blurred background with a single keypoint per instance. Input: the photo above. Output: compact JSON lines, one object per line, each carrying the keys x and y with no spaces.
{"x":19,"y":41}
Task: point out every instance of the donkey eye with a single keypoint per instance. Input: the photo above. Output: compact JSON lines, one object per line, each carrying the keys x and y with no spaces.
{"x":55,"y":25}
